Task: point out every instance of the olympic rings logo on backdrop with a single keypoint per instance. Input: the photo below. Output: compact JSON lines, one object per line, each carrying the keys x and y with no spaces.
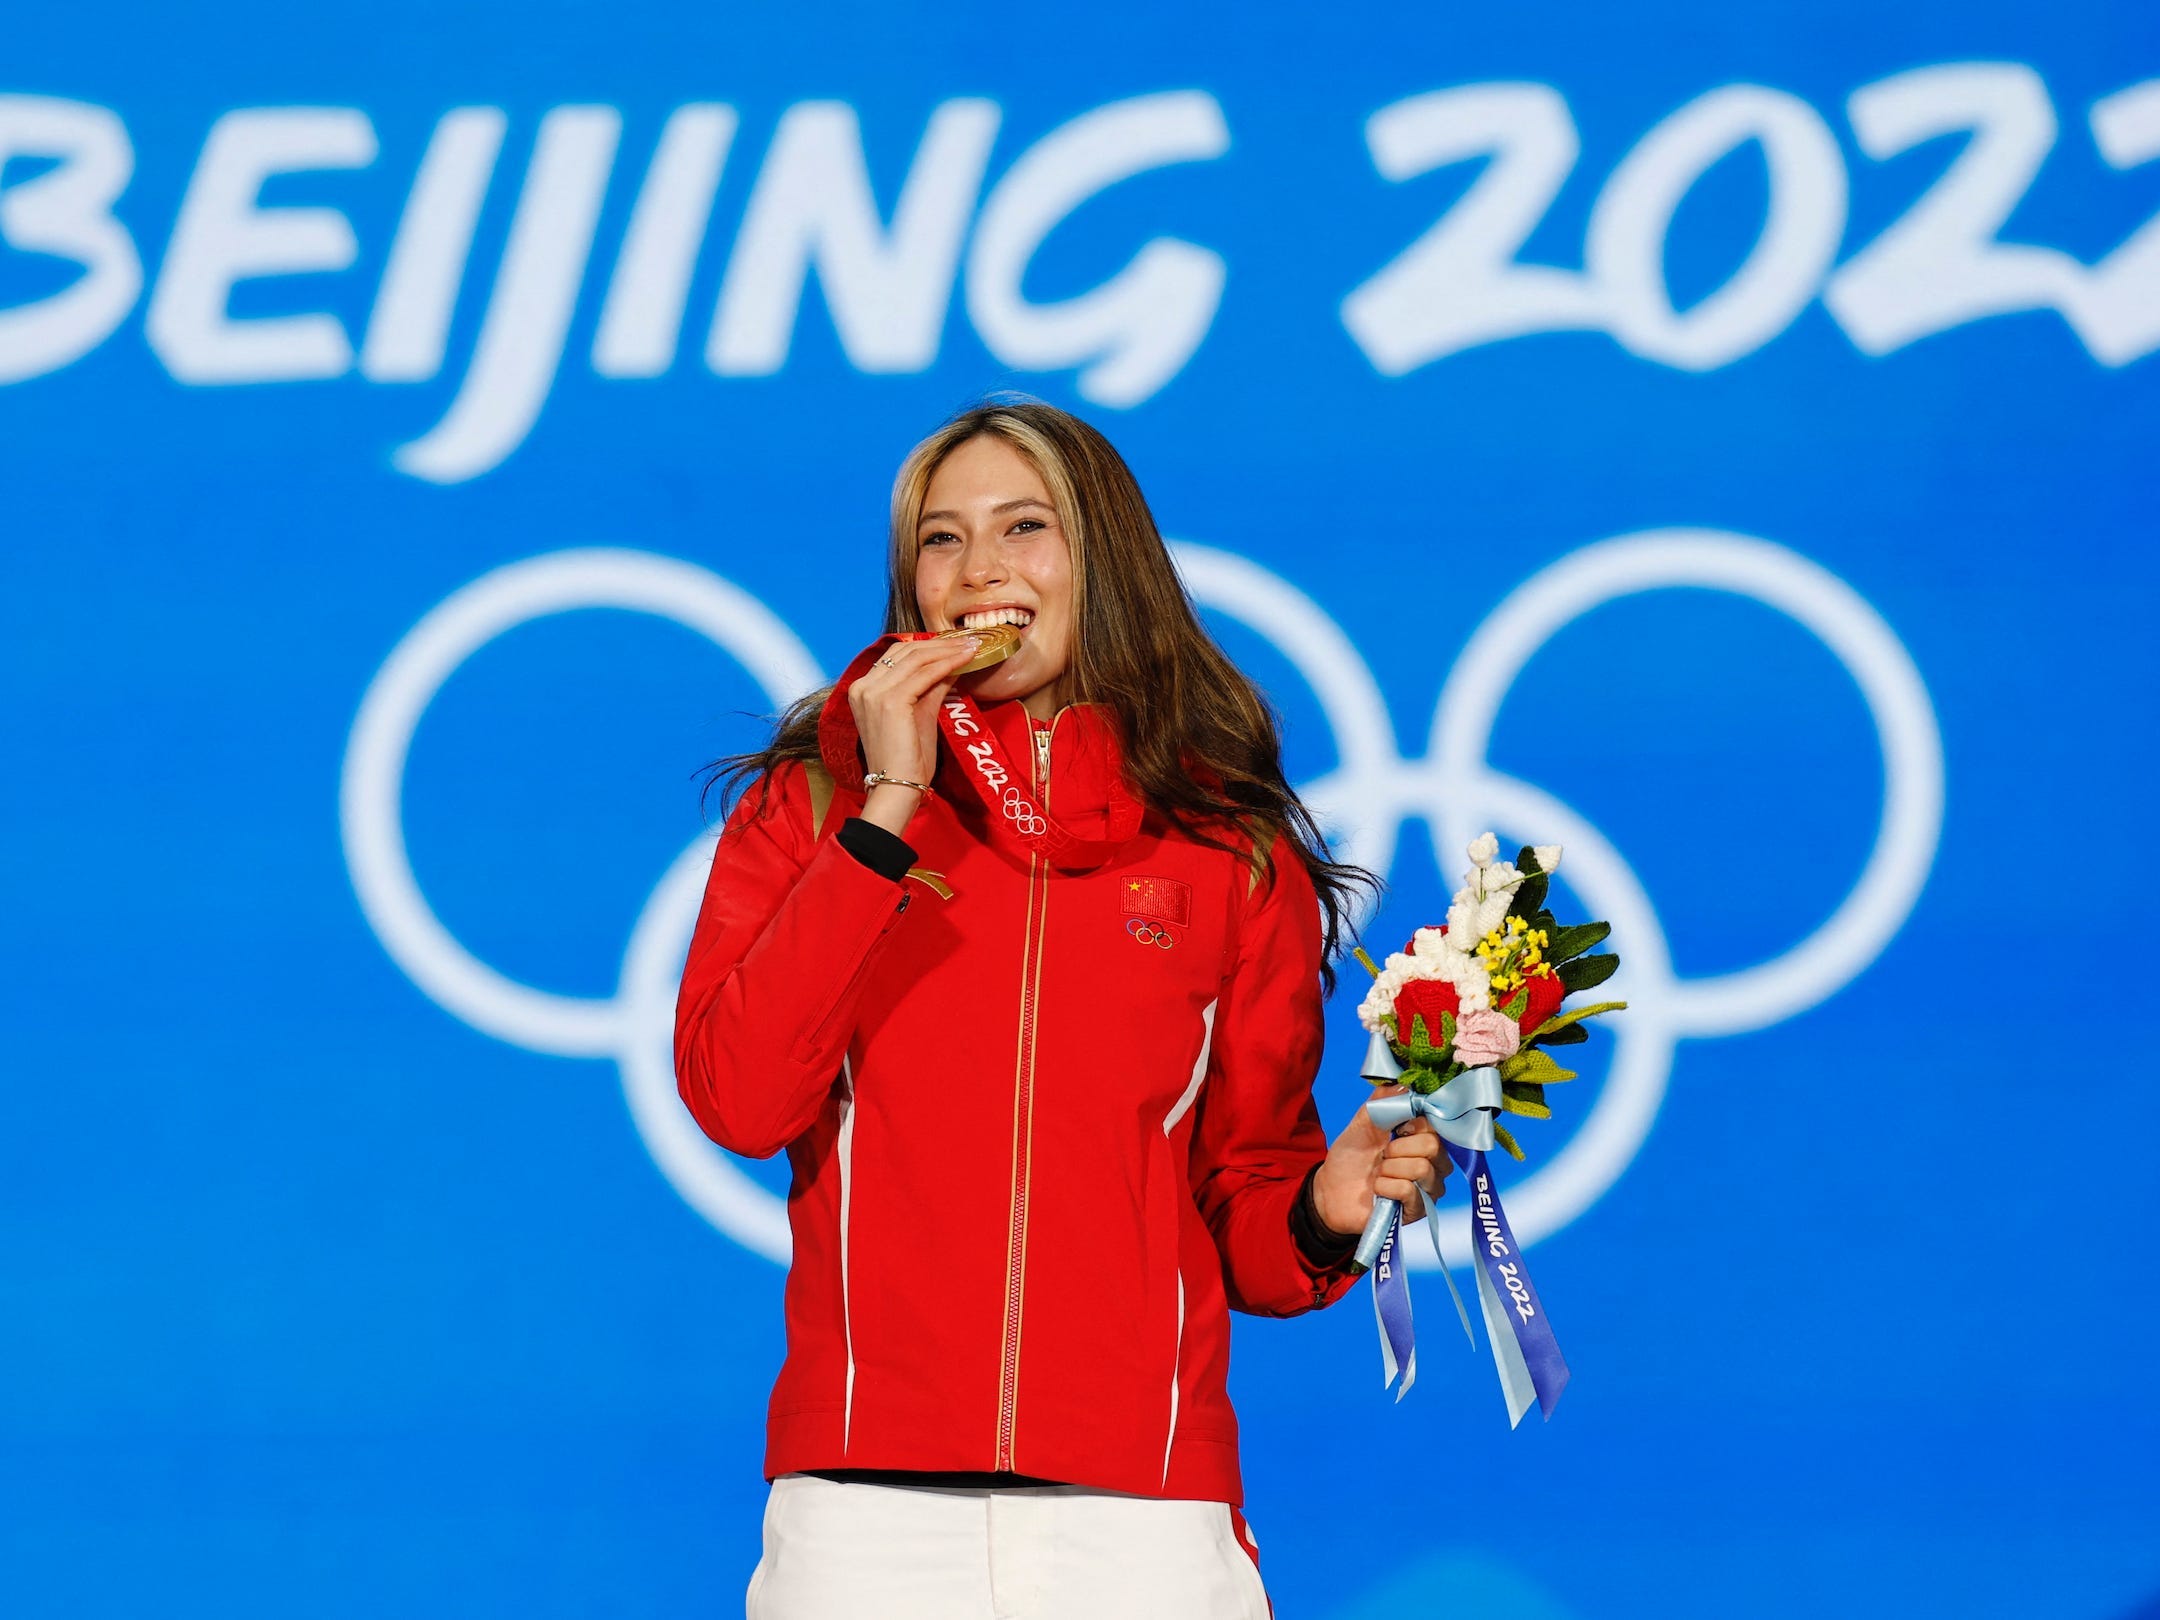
{"x":1366,"y":797}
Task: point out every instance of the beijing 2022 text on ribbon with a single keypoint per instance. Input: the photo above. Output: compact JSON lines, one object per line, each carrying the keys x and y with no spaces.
{"x":1461,"y":1019}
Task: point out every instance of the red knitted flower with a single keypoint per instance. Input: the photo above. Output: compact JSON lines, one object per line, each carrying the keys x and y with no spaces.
{"x":1429,"y":998}
{"x":1545,"y":993}
{"x":1432,"y":997}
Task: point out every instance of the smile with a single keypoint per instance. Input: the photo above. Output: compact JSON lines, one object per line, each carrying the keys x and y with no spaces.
{"x":1018,"y":617}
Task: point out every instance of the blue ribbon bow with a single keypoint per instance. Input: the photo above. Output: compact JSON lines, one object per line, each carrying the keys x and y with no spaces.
{"x":1462,"y":1111}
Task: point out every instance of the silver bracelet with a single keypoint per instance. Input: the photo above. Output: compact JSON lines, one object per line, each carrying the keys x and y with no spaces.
{"x":872,"y":778}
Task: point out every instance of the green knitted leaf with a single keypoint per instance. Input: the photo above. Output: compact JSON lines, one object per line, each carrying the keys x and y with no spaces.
{"x":1420,"y":1045}
{"x":1447,"y":1027}
{"x":1586,"y":971}
{"x":1521,"y":1097}
{"x":1570,"y":943}
{"x":1517,"y":1004}
{"x":1566,"y":1035}
{"x":1420,"y":1079}
{"x":1534,"y":1067}
{"x":1564,"y":1020}
{"x":1500,"y":1135}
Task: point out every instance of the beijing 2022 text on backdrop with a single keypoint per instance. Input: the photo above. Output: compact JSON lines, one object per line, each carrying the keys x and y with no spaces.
{"x":1720,"y":440}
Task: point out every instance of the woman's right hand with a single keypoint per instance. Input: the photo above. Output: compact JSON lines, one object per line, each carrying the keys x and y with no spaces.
{"x":895,"y":703}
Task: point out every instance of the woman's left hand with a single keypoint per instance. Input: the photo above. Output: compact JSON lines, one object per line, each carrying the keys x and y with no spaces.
{"x":1365,"y":1163}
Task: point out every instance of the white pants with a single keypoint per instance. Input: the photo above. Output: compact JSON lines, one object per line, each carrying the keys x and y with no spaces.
{"x":837,"y":1551}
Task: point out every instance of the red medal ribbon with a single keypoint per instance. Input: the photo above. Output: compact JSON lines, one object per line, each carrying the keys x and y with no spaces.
{"x":1014,"y":816}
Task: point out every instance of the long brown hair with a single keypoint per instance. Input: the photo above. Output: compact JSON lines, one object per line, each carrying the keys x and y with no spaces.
{"x":1202,"y":746}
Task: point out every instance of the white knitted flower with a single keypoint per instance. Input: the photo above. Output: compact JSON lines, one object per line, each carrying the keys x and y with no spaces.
{"x":1429,"y":942}
{"x":1380,"y":999}
{"x":1479,"y":907}
{"x":1492,"y":911}
{"x":1481,"y":904}
{"x":1473,"y":985}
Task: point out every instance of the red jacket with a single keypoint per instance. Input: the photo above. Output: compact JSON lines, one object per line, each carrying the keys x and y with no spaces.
{"x":1045,"y":1133}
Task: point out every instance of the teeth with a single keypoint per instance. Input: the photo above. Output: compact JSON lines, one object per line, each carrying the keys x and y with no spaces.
{"x":983,"y":621}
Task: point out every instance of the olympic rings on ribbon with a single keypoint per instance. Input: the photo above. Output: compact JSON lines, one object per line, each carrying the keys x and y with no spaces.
{"x":1371,"y":791}
{"x":1021,"y":813}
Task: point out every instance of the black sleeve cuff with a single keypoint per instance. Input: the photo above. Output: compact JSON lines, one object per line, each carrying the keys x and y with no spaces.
{"x":1322,"y":1249}
{"x":881,"y":851}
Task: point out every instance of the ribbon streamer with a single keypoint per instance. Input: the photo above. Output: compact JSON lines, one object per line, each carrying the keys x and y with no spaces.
{"x":1525,"y":1352}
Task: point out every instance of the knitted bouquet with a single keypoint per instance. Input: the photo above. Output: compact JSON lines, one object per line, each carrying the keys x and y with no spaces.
{"x":1484,"y":989}
{"x":1462,"y":1018}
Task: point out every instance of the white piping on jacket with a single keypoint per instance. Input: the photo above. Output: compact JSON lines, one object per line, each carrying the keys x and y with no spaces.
{"x":1177,"y":1356}
{"x":1177,"y":1353}
{"x":847,"y":1167}
{"x":1199,"y":1070}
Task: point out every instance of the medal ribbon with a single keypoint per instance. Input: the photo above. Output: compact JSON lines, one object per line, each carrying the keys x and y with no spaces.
{"x":1015,"y":818}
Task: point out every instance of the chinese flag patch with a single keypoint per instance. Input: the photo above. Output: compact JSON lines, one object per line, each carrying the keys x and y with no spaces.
{"x":1159,"y":899}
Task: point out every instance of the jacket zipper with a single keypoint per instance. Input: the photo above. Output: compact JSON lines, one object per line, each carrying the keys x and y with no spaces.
{"x":1023,"y":1116}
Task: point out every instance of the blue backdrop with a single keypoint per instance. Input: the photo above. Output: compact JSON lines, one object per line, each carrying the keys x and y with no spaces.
{"x":1721,"y":442}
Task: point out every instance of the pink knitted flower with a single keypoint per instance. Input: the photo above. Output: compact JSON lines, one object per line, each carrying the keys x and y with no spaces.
{"x":1485,"y":1037}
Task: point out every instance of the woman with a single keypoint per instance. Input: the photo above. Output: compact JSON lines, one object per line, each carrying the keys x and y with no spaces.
{"x":1043,"y":1074}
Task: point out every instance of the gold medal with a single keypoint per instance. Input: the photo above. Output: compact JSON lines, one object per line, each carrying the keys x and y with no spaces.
{"x":999,"y":642}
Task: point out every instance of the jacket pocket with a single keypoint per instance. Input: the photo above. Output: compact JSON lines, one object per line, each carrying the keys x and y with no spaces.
{"x":858,"y":967}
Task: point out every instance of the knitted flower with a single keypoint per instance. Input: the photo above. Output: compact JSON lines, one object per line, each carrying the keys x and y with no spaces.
{"x":1479,"y":991}
{"x":1485,"y":1037}
{"x":1456,"y":975}
{"x":1440,"y":968}
{"x":1426,"y":999}
{"x":1543,"y":993}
